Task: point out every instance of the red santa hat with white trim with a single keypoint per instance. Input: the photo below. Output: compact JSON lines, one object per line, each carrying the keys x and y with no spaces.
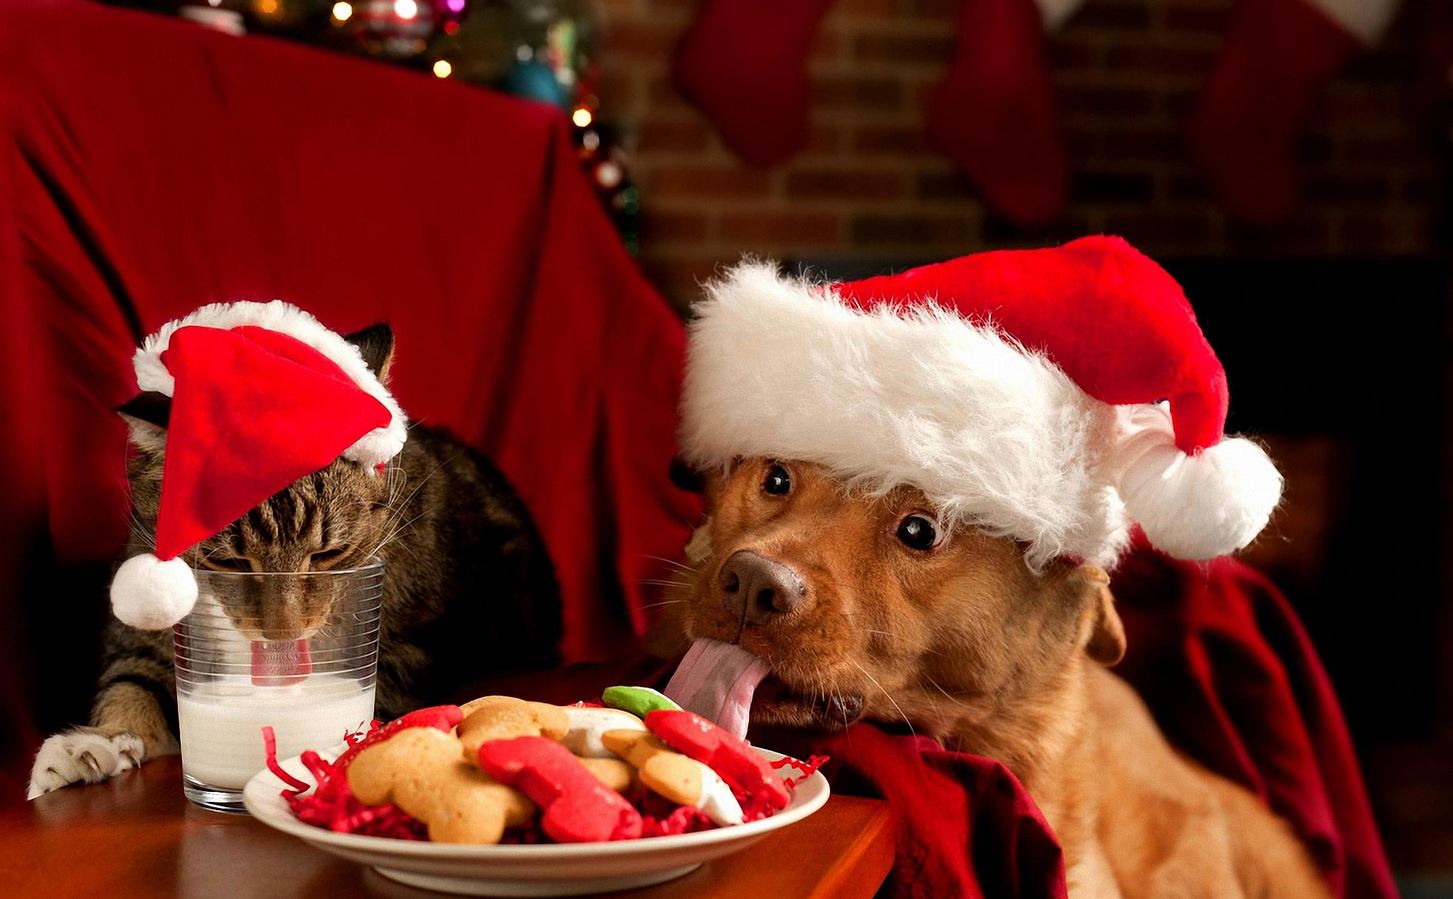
{"x":262,"y":394}
{"x":1054,"y":396}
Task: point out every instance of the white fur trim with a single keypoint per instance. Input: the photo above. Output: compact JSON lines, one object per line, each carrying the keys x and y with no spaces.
{"x":1196,"y":506}
{"x":1364,"y":19}
{"x":995,"y":435}
{"x":151,"y":594}
{"x":1054,"y":13}
{"x":372,"y":449}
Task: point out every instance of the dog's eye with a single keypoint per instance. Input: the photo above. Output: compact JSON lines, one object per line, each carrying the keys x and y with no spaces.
{"x":918,"y":532}
{"x":777,"y":482}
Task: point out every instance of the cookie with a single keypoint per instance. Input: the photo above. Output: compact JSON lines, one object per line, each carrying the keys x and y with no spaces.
{"x":725,"y":753}
{"x":423,"y":772}
{"x":587,"y":723}
{"x":575,"y":806}
{"x":637,"y":700}
{"x":505,"y":717}
{"x":684,"y":781}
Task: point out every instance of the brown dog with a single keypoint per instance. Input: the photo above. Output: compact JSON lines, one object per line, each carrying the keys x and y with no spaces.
{"x":864,"y":607}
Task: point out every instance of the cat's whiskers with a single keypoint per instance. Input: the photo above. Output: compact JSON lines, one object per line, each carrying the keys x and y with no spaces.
{"x":395,"y":533}
{"x":400,"y":509}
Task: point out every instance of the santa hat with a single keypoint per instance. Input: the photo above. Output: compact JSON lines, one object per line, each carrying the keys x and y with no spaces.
{"x":262,"y":394}
{"x":1053,"y":396}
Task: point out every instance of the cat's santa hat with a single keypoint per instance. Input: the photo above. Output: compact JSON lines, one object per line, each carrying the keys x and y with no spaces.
{"x":262,"y":394}
{"x":1053,"y":396}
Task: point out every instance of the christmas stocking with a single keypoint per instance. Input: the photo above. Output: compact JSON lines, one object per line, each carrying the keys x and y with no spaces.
{"x":1278,"y":54}
{"x":744,"y":63}
{"x":993,"y":113}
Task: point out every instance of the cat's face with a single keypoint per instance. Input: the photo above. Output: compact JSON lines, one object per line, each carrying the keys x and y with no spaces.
{"x":339,"y":518}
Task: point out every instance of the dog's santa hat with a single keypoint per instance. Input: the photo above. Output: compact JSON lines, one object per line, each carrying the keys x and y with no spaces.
{"x":1053,"y":396}
{"x":261,"y":394}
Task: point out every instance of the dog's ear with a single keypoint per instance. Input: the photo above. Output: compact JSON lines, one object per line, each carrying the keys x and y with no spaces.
{"x":706,"y":482}
{"x":1106,"y":643}
{"x":687,"y":476}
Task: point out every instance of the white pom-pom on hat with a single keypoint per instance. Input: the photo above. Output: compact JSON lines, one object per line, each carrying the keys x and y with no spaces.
{"x":152,"y":594}
{"x":1196,"y":505}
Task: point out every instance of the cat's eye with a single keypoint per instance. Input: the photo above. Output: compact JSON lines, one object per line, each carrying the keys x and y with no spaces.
{"x":227,"y":563}
{"x":325,"y":557}
{"x":777,"y":481}
{"x":918,"y":531}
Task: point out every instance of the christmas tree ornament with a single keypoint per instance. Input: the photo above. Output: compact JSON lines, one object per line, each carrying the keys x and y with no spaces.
{"x":1277,"y":56}
{"x":262,"y":394}
{"x":993,"y":111}
{"x":1056,"y":397}
{"x":390,"y":29}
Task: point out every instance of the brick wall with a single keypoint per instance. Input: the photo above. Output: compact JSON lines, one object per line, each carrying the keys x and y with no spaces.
{"x":1127,"y":73}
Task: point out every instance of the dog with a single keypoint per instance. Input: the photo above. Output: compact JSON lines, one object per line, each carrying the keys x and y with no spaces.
{"x":867,"y":607}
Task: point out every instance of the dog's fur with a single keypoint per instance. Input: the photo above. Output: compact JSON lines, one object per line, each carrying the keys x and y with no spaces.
{"x":966,"y":644}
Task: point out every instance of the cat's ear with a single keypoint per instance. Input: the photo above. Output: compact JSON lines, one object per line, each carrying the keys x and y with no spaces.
{"x":147,"y":415}
{"x":376,"y":343}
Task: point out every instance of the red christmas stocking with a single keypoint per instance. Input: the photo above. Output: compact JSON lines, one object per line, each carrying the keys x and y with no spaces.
{"x":744,"y":64}
{"x":1278,"y":55}
{"x":993,"y":113}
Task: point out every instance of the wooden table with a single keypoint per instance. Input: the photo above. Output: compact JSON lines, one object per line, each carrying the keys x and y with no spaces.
{"x":136,"y":835}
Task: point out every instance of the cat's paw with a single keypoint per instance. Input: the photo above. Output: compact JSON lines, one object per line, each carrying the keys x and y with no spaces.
{"x":82,"y":755}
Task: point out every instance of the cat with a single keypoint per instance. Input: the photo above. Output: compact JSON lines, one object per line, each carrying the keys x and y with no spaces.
{"x":468,"y":586}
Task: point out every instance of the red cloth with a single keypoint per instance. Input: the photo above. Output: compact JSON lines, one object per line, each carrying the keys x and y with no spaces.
{"x":148,"y":166}
{"x":966,"y":827}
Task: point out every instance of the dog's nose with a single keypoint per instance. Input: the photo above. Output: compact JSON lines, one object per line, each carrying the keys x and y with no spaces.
{"x":758,"y":588}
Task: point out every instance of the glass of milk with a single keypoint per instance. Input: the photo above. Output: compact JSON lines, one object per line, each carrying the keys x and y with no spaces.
{"x":297,"y":652}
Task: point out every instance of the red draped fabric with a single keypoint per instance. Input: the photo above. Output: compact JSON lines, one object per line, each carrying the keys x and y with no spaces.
{"x":148,"y":166}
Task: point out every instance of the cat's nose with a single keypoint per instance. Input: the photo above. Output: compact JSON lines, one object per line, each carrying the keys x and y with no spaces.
{"x":757,"y":588}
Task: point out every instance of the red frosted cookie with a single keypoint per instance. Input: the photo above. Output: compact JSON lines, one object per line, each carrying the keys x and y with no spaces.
{"x":576,"y":807}
{"x":726,"y":754}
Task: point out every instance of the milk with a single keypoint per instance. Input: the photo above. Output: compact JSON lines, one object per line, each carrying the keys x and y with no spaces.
{"x":222,"y":723}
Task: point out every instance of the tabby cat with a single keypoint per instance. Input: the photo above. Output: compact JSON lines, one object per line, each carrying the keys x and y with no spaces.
{"x":468,"y":587}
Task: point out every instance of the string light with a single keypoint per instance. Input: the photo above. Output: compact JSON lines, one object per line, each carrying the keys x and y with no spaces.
{"x":406,"y":9}
{"x":342,"y":11}
{"x":581,"y":117}
{"x":442,"y":68}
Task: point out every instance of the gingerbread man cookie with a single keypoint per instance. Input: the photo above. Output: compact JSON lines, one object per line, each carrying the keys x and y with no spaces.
{"x":505,"y":717}
{"x":423,"y":771}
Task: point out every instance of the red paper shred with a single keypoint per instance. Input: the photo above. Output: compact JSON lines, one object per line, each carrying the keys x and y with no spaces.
{"x":684,"y":819}
{"x":806,"y":769}
{"x":269,"y":746}
{"x":331,"y":804}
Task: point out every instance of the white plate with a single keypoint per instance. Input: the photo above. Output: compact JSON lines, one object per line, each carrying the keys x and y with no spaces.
{"x":535,"y":870}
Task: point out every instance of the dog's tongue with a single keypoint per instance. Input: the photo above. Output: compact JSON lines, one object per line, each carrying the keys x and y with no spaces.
{"x":716,"y":680}
{"x":277,"y":663}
